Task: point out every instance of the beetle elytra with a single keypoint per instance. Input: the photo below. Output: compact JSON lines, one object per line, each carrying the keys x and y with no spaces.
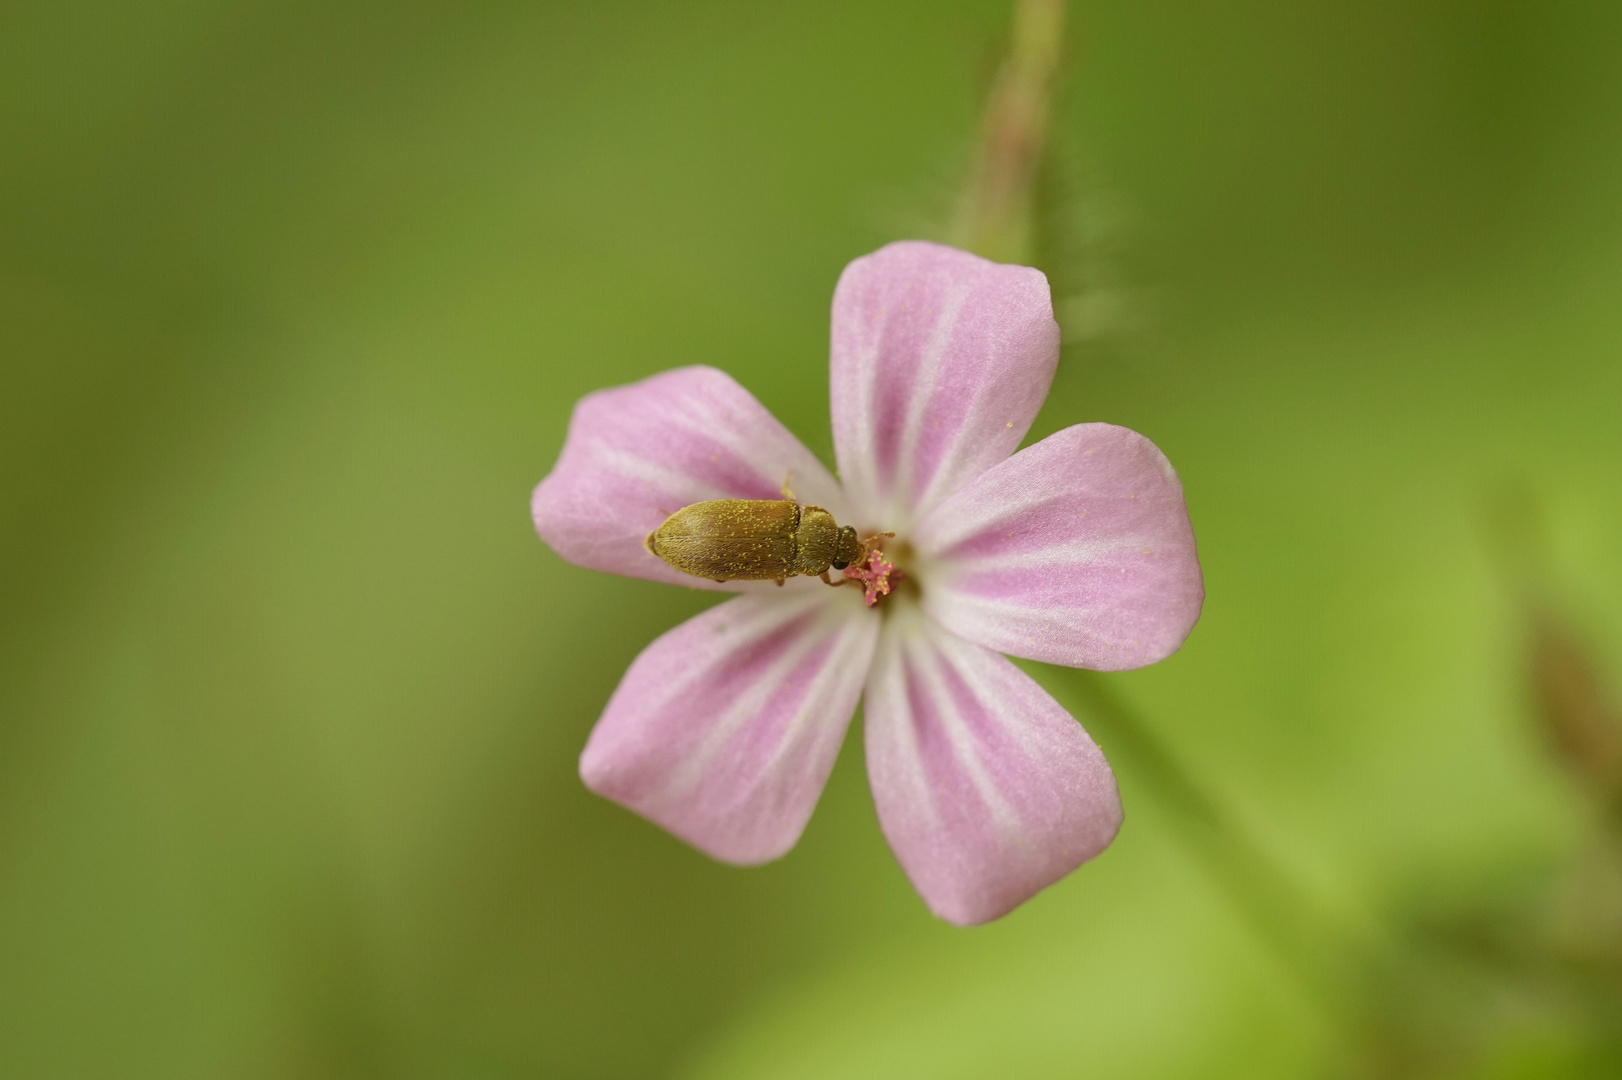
{"x":754,"y":540}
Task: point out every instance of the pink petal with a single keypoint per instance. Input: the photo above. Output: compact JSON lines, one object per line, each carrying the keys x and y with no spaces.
{"x":724,"y":729}
{"x":1077,"y":551}
{"x":941,"y":360}
{"x":987,"y":790}
{"x":636,"y":454}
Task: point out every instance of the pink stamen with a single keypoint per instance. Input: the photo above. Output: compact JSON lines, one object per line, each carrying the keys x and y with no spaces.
{"x":877,"y":575}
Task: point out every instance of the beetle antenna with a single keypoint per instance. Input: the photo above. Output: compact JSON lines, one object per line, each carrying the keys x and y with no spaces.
{"x":869,"y":543}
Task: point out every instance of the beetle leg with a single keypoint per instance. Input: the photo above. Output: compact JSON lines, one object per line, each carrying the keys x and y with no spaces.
{"x":780,"y":581}
{"x":719,"y":580}
{"x":788,"y":492}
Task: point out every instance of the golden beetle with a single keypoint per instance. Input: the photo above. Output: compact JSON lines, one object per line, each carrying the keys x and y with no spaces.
{"x":755,"y":540}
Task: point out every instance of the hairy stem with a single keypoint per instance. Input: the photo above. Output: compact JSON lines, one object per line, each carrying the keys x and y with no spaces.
{"x":994,"y":218}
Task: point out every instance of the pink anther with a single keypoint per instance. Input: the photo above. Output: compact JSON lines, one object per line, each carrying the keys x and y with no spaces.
{"x":877,"y":575}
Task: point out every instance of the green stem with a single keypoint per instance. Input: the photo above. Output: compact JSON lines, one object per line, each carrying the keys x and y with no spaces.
{"x":995,"y":216}
{"x":1316,"y":945}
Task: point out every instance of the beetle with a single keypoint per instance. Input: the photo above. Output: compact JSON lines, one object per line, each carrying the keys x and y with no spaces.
{"x":755,"y":540}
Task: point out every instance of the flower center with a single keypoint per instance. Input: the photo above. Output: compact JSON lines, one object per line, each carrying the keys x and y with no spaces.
{"x":876,"y":572}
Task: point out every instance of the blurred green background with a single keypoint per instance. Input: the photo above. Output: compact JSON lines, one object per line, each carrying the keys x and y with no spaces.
{"x":295,"y":300}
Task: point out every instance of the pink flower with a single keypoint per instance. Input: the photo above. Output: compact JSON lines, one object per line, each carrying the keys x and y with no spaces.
{"x":1075,"y":551}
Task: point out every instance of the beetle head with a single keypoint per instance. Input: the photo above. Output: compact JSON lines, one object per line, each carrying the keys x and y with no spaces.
{"x":847,"y":549}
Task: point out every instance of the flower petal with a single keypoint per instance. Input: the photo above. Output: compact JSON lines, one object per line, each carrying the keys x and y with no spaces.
{"x":724,"y":729}
{"x":987,"y":790}
{"x":941,"y":360}
{"x":636,"y":454}
{"x":1076,"y":551}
